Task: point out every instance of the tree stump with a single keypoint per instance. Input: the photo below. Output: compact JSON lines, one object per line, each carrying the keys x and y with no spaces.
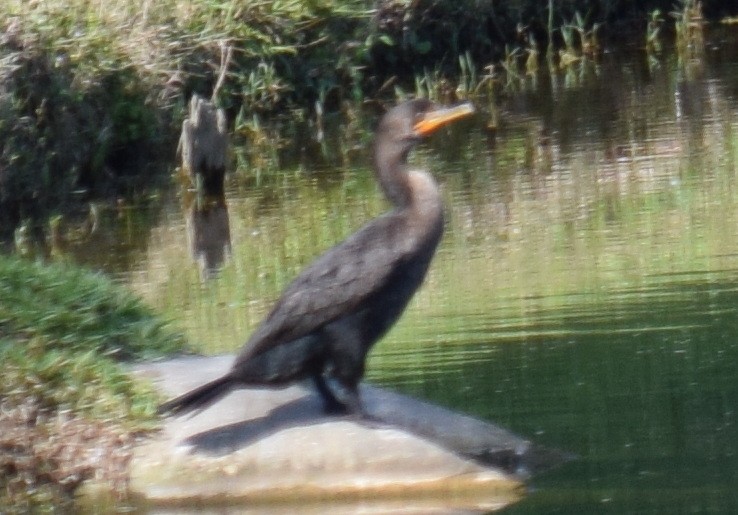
{"x":204,"y":146}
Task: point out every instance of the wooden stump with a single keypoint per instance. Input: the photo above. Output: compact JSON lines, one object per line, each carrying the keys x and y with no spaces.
{"x":204,"y":146}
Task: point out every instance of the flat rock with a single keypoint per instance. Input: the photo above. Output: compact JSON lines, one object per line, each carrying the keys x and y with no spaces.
{"x":276,"y":449}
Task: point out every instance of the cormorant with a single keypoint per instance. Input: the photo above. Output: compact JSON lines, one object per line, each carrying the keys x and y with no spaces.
{"x":327,"y":319}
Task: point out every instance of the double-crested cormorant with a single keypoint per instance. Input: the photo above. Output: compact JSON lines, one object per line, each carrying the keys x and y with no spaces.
{"x":331,"y":314}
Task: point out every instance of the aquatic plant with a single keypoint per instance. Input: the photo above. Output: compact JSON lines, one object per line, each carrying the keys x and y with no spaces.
{"x":468,"y":81}
{"x":531,"y":62}
{"x":588,"y":40}
{"x":688,"y":26}
{"x":511,"y":66}
{"x":653,"y":32}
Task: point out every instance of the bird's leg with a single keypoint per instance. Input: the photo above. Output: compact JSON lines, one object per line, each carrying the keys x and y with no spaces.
{"x":331,"y":404}
{"x":350,"y":402}
{"x":339,"y":398}
{"x":349,"y":395}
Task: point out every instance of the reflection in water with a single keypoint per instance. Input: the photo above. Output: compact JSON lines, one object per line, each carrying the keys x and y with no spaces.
{"x":208,"y":232}
{"x":640,"y":384}
{"x":585,"y":294}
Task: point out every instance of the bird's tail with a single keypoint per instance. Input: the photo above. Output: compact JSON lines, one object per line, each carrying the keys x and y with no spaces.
{"x":199,"y":398}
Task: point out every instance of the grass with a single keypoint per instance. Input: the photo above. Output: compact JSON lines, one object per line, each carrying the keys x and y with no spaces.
{"x":64,"y":394}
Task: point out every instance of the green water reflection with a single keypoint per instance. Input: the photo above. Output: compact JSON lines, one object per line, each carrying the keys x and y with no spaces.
{"x":585,"y":294}
{"x":644,"y":390}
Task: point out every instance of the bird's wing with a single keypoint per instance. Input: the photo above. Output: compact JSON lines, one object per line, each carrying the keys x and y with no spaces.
{"x":333,"y":285}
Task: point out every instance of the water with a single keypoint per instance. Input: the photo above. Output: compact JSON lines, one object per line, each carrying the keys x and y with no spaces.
{"x":585,"y":294}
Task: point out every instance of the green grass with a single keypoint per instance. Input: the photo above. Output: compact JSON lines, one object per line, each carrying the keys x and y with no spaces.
{"x":63,"y":332}
{"x":63,"y":335}
{"x":77,"y":311}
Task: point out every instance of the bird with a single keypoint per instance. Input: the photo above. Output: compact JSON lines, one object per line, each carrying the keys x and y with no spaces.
{"x":327,"y":319}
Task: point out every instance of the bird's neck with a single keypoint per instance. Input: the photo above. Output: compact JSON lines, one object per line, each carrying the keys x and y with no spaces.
{"x":424,"y":198}
{"x":406,"y":189}
{"x":393,"y":179}
{"x":422,"y":216}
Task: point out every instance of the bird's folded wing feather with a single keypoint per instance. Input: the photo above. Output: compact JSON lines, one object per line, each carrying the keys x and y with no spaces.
{"x":335,"y":284}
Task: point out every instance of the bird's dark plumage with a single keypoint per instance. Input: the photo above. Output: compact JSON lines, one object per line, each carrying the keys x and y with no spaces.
{"x":327,"y":319}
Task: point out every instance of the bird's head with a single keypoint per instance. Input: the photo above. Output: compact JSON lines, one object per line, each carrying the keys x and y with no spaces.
{"x":407,"y":123}
{"x":399,"y":130}
{"x":410,"y":121}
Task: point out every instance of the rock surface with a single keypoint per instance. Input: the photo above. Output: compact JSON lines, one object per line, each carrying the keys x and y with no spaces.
{"x":276,"y":449}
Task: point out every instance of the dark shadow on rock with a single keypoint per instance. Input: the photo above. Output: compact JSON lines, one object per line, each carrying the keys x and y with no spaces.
{"x":225,"y":439}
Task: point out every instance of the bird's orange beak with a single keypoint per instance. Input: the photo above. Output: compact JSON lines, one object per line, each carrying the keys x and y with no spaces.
{"x":437,"y":118}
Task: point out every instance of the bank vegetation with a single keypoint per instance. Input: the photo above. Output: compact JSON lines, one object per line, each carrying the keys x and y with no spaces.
{"x":92,"y":93}
{"x":69,"y":412}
